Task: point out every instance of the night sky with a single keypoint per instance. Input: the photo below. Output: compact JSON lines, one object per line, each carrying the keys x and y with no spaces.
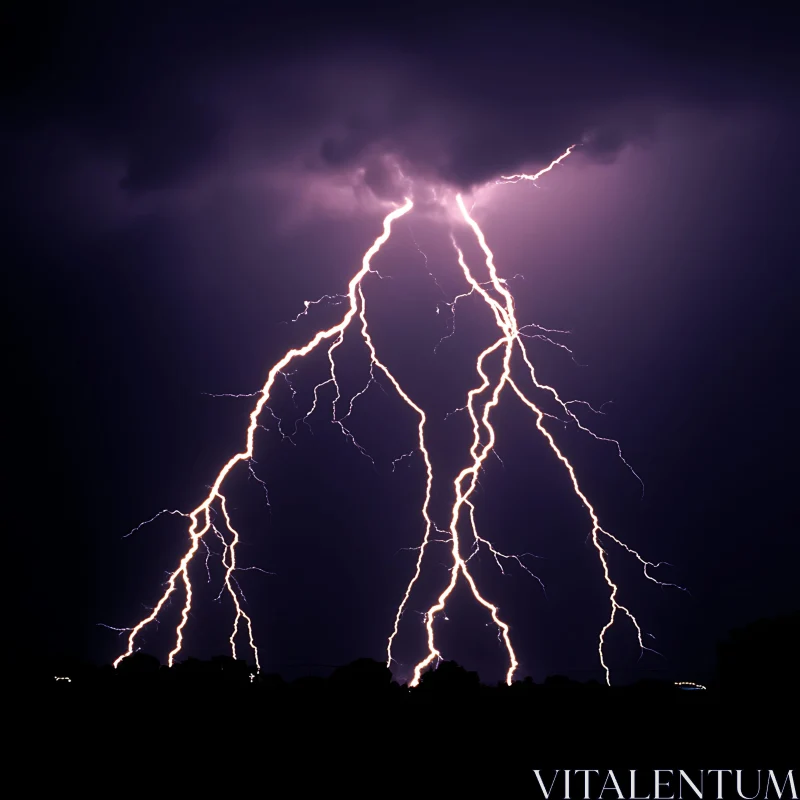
{"x":179,"y":182}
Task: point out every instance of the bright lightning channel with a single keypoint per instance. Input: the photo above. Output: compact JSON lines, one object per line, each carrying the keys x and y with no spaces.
{"x":201,"y":516}
{"x":505,"y":317}
{"x":533,"y":178}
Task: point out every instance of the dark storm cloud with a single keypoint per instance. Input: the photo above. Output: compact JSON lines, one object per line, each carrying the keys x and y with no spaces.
{"x":457,"y":99}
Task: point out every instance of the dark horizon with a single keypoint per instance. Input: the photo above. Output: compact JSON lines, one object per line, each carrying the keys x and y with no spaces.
{"x":751,"y":660}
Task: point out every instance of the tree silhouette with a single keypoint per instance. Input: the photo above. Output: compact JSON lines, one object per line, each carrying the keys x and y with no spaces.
{"x":450,"y":676}
{"x":364,"y":674}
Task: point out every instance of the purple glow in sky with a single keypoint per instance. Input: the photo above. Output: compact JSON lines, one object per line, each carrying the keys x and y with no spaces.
{"x":179,"y":195}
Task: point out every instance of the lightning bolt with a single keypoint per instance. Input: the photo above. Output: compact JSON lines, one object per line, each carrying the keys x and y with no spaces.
{"x":537,"y":175}
{"x":505,"y":317}
{"x":201,"y":516}
{"x":482,"y":400}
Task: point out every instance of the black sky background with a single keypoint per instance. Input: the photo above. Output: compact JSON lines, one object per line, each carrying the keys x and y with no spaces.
{"x":668,"y":247}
